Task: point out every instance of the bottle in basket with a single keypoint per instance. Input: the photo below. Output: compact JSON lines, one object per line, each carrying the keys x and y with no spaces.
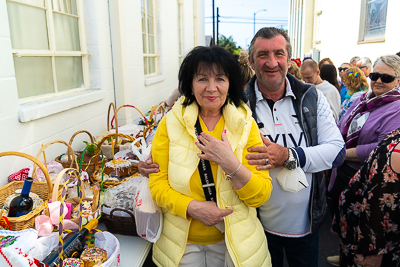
{"x":73,"y":242}
{"x":22,"y":204}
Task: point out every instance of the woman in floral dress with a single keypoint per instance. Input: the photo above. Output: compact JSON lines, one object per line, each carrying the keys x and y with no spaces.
{"x":368,"y":218}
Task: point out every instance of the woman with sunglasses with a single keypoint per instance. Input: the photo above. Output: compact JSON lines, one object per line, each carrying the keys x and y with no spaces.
{"x":343,"y":88}
{"x":368,"y":120}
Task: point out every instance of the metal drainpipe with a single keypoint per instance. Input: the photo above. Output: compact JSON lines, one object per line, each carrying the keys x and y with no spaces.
{"x":112,"y":55}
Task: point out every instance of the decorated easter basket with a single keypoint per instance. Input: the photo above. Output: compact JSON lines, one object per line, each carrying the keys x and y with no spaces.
{"x":87,"y":166}
{"x":150,"y":129}
{"x":108,"y":241}
{"x":130,"y":170}
{"x":42,"y":151}
{"x":77,"y":202}
{"x":42,"y":189}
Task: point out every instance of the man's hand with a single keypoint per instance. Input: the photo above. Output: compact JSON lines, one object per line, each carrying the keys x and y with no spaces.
{"x":207,"y":212}
{"x":145,"y":168}
{"x":369,"y":261}
{"x":218,"y":151}
{"x":275,"y":154}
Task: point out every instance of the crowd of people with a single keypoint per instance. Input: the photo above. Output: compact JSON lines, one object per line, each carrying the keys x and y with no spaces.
{"x":240,"y":163}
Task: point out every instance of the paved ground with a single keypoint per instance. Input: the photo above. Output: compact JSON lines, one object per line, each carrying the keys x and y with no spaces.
{"x":328,"y":245}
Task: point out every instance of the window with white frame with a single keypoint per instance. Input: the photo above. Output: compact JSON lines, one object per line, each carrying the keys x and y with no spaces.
{"x":149,"y":38}
{"x":48,"y":47}
{"x":373,"y":20}
{"x":180,"y":32}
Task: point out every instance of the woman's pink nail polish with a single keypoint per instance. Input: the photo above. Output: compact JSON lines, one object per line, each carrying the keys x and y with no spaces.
{"x":195,"y":143}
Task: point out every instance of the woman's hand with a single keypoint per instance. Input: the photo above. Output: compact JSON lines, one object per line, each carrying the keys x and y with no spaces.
{"x":207,"y":212}
{"x":351,"y":155}
{"x":369,"y":261}
{"x":218,"y":151}
{"x":148,"y":167}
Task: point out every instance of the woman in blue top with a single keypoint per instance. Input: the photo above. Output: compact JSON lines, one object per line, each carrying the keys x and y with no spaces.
{"x":343,"y":88}
{"x":356,"y":84}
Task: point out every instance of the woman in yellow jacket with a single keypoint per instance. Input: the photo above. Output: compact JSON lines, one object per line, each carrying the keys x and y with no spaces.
{"x":211,"y":222}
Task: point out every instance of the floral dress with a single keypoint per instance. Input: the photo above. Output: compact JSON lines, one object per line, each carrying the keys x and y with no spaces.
{"x":368,"y":217}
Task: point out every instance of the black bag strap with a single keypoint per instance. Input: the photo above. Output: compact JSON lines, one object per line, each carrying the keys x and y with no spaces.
{"x":206,"y":176}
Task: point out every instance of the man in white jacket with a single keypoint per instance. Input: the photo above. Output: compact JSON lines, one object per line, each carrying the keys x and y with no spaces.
{"x":310,"y":73}
{"x":300,"y":135}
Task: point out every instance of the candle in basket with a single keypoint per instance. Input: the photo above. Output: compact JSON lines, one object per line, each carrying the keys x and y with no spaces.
{"x":72,"y":242}
{"x":23,"y":203}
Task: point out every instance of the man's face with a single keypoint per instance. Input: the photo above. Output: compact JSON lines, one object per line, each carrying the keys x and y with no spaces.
{"x":270,"y":62}
{"x":364,"y":69}
{"x":309,"y":76}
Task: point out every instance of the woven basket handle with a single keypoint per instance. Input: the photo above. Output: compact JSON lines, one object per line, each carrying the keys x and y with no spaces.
{"x":118,"y":209}
{"x":78,"y":132}
{"x":60,"y":222}
{"x":154,"y":112}
{"x":70,"y":152}
{"x":124,"y":106}
{"x":35,"y":161}
{"x":116,"y":121}
{"x":57,"y":182}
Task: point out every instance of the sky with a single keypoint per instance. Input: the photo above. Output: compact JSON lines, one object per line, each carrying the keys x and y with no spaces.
{"x":237,"y":17}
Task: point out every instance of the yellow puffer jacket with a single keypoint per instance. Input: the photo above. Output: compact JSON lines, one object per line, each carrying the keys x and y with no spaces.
{"x":244,"y":235}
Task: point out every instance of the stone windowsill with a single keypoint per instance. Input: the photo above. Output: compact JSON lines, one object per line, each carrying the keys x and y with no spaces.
{"x":154,"y":79}
{"x":40,"y":109}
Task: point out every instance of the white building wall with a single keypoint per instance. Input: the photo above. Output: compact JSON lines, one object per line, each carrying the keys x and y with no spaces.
{"x":114,"y":44}
{"x":339,"y":31}
{"x":301,"y":19}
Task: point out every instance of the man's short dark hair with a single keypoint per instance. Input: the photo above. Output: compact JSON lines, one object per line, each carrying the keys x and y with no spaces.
{"x":212,"y":58}
{"x":269,"y":33}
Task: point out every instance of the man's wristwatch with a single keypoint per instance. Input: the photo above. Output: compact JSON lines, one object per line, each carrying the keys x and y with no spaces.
{"x":291,"y":162}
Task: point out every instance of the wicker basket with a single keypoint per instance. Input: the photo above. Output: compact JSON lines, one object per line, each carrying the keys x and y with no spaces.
{"x":43,"y":190}
{"x":132,"y":169}
{"x":118,"y":224}
{"x":75,"y":200}
{"x":68,"y":164}
{"x":88,"y":166}
{"x":116,"y":119}
{"x":159,"y":109}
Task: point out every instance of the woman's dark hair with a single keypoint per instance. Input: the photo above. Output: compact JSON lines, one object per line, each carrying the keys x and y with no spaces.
{"x":212,"y":58}
{"x":328,"y":73}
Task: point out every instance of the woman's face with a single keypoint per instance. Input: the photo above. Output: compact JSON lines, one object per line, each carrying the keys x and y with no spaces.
{"x":326,"y":62}
{"x":210,"y":87}
{"x":343,"y":66}
{"x":379,"y":87}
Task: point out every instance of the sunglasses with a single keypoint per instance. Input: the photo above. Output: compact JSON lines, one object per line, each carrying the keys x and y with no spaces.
{"x":342,"y":69}
{"x":385,"y":78}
